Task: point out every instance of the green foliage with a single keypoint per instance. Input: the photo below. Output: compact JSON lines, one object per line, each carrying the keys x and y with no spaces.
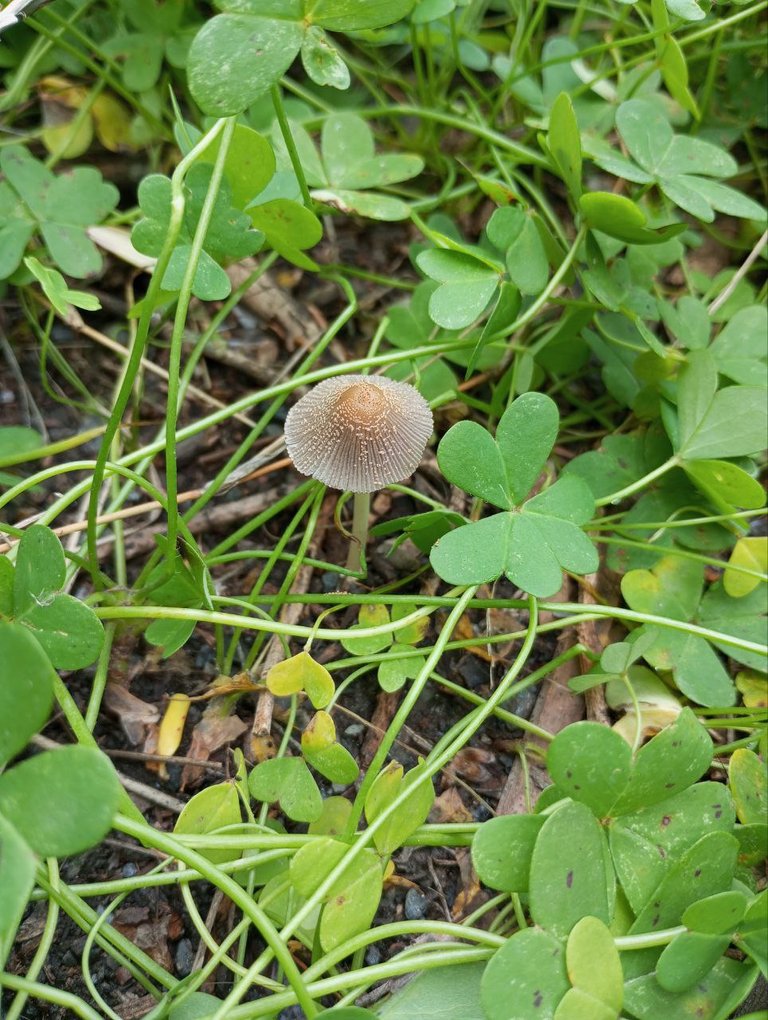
{"x":528,"y":970}
{"x":60,"y":802}
{"x":673,"y":588}
{"x":289,"y":781}
{"x":351,"y":901}
{"x":394,"y":670}
{"x":34,"y":201}
{"x":671,"y":855}
{"x":208,"y":811}
{"x":149,"y":34}
{"x":229,"y":236}
{"x":412,"y":812}
{"x":25,"y":699}
{"x":185,"y":585}
{"x":347,"y":173}
{"x":585,"y":181}
{"x":30,"y":594}
{"x":532,"y":540}
{"x":681,"y":166}
{"x":56,"y":290}
{"x":224,"y":77}
{"x":268,"y":198}
{"x":301,"y":673}
{"x":324,"y":753}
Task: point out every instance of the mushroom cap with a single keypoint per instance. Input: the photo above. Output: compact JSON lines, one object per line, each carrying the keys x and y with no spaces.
{"x":358,"y":432}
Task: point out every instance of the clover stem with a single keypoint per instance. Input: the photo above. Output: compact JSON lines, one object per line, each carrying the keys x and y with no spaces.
{"x":360,"y":511}
{"x":641,"y":483}
{"x":290,"y":144}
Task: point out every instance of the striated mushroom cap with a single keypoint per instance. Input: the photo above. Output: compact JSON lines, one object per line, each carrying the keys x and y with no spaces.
{"x":358,"y":432}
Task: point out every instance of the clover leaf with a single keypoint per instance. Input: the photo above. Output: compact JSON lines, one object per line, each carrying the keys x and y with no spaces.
{"x":513,"y":261}
{"x":352,"y":900}
{"x":67,"y":630}
{"x":35,"y":200}
{"x":739,"y":348}
{"x":394,"y":670}
{"x":301,"y":672}
{"x":532,"y":540}
{"x":272,"y":201}
{"x":289,"y":781}
{"x":347,"y":172}
{"x":713,"y":423}
{"x":673,"y":588}
{"x":224,"y":77}
{"x":682,"y":166}
{"x":56,"y":290}
{"x":180,"y":581}
{"x":324,"y":752}
{"x":229,"y":236}
{"x":743,"y":617}
{"x":157,"y":31}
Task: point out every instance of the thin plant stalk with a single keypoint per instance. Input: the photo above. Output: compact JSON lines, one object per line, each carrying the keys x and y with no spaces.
{"x":361,"y":506}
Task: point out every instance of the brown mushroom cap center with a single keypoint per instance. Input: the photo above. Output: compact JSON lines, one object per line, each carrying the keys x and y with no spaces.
{"x":362,"y":402}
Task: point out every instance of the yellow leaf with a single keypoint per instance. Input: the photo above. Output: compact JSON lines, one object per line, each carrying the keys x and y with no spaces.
{"x":60,"y":101}
{"x":319,"y":733}
{"x":753,"y":687}
{"x":113,"y":123}
{"x":172,"y":724}
{"x":298,"y":673}
{"x":751,"y":553}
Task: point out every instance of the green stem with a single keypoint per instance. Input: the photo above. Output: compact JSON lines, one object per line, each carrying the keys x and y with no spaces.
{"x":405,"y":709}
{"x":72,"y":1003}
{"x":290,"y":144}
{"x":294,"y":630}
{"x":239,"y":896}
{"x":224,"y":414}
{"x":44,"y":946}
{"x":426,"y":957}
{"x":624,"y":943}
{"x":51,"y":449}
{"x":120,"y":948}
{"x":641,"y":483}
{"x":521,"y":153}
{"x":142,"y":337}
{"x":179,"y":321}
{"x":720,"y":24}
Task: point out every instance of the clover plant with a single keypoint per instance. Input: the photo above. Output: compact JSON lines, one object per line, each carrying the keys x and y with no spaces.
{"x":60,"y":207}
{"x":547,"y":217}
{"x":59,"y":802}
{"x":533,"y":539}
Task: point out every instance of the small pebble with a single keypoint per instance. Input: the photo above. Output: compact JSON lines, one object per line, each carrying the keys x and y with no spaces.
{"x":482,"y":813}
{"x":473,"y":671}
{"x":372,"y":956}
{"x":129,"y":870}
{"x":416,"y":904}
{"x":185,"y":957}
{"x":330,"y":580}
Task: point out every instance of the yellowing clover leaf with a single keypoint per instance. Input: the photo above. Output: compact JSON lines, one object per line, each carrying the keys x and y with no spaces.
{"x":533,"y":540}
{"x":301,"y":673}
{"x":324,"y":753}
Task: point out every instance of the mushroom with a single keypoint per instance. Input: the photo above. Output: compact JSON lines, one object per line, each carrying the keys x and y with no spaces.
{"x":358,"y":433}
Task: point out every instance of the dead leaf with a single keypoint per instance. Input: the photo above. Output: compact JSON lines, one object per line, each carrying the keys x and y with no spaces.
{"x":138,"y":718}
{"x":449,"y":807}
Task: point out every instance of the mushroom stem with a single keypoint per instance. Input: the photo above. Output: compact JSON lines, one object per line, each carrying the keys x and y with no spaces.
{"x":361,"y":509}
